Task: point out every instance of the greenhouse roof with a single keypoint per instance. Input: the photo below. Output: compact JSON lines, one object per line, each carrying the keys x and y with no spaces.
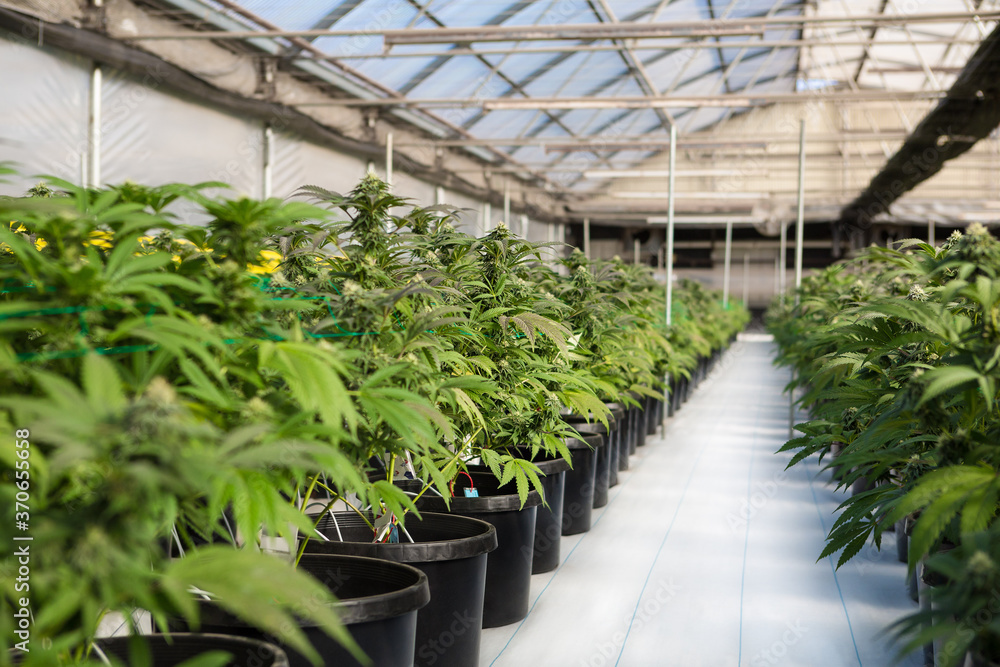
{"x":529,"y":86}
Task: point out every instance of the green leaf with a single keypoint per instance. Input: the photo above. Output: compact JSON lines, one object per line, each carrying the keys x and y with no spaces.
{"x":263,"y":591}
{"x":947,"y":378}
{"x":102,"y":385}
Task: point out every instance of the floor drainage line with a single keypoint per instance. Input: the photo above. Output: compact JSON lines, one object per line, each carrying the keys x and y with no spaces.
{"x":680,"y":503}
{"x":746,"y":535}
{"x":566,"y":559}
{"x":833,"y":570}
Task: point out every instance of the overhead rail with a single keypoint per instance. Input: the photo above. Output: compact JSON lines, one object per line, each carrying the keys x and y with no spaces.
{"x":748,"y":99}
{"x":590,"y":31}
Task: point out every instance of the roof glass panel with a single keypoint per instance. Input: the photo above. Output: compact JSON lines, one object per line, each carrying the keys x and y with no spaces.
{"x":578,"y":75}
{"x":458,"y":77}
{"x":288,"y":14}
{"x":503,"y":123}
{"x":602,"y":68}
{"x":684,"y":10}
{"x":749,"y":70}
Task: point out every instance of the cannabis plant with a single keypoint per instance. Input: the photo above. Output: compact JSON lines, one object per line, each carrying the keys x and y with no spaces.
{"x":903,"y":376}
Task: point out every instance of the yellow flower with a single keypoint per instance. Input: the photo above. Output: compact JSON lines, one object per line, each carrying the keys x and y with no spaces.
{"x":270,"y":261}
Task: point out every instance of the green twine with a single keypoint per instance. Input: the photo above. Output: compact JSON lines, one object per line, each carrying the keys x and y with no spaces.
{"x":71,"y":354}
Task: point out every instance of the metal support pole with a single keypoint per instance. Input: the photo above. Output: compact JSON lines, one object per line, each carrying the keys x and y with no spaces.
{"x":586,"y":237}
{"x":777,"y":270}
{"x":669,"y":257}
{"x":524,"y":226}
{"x":726,"y":269}
{"x":635,"y":251}
{"x":800,"y":217}
{"x":388,"y":158}
{"x":94,"y":129}
{"x":746,"y":280}
{"x":438,"y":195}
{"x":487,"y":217}
{"x":506,"y":203}
{"x":267,"y":183}
{"x":783,"y":271}
{"x":791,"y":409}
{"x":930,"y":232}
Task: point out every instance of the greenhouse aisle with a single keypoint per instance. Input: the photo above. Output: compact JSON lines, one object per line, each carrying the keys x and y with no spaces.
{"x":706,"y":553}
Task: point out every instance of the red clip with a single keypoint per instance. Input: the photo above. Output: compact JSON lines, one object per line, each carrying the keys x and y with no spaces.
{"x":451,"y":486}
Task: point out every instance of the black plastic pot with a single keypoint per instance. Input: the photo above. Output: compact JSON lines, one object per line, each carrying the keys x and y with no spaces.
{"x":639,"y":425}
{"x":677,"y":398}
{"x":548,"y":523}
{"x":622,"y":436}
{"x":902,"y":541}
{"x":578,"y":493}
{"x":671,"y":400}
{"x":182,"y":646}
{"x":377,"y":602}
{"x":508,"y":569}
{"x":606,"y":453}
{"x":653,"y":416}
{"x":452,"y":551}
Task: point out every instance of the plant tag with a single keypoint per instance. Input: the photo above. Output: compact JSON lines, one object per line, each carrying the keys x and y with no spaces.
{"x":471,"y":493}
{"x":386,"y":530}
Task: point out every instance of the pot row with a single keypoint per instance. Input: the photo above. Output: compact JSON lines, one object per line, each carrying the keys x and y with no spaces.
{"x":425,"y":600}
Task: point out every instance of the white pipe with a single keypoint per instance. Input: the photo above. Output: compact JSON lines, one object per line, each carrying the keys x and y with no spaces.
{"x":800,"y":217}
{"x":506,"y":203}
{"x":388,"y":158}
{"x":726,"y":269}
{"x":586,"y":237}
{"x":487,"y":217}
{"x":669,"y":258}
{"x":783,"y":272}
{"x":930,"y":232}
{"x":635,"y":251}
{"x":267,"y":184}
{"x":94,"y":128}
{"x":746,"y":280}
{"x":438,"y":195}
{"x":524,"y":226}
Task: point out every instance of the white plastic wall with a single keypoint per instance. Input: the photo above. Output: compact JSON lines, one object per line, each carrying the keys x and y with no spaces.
{"x":43,"y":113}
{"x":151,"y":136}
{"x":297,"y":162}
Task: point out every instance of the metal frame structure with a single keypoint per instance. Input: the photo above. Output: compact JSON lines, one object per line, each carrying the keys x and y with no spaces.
{"x":527,"y":86}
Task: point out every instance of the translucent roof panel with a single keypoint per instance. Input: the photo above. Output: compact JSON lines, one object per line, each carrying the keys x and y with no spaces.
{"x":485,"y":83}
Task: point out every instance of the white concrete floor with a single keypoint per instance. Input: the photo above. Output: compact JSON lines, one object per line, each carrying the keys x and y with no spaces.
{"x":706,"y":553}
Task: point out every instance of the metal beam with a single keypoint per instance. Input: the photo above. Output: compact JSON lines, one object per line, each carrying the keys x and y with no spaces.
{"x":728,"y":262}
{"x":650,"y":145}
{"x":682,"y":143}
{"x":634,"y":63}
{"x":494,"y":68}
{"x":800,"y":210}
{"x":342,"y":76}
{"x":660,"y":30}
{"x":625,"y":30}
{"x":669,"y":258}
{"x":632,"y":102}
{"x":680,"y":46}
